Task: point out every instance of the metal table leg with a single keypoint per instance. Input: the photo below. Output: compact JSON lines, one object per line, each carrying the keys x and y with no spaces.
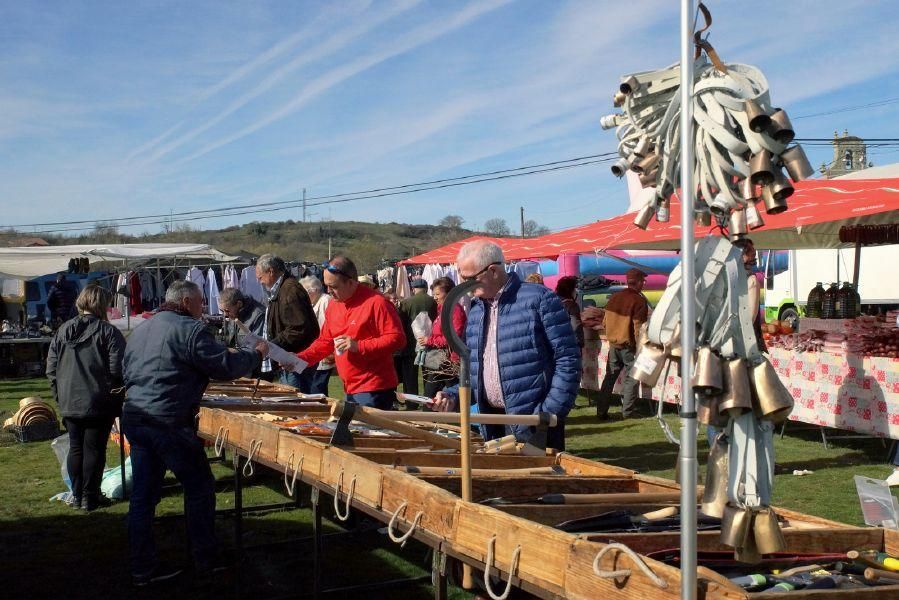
{"x":316,"y":543}
{"x":238,"y":523}
{"x":438,"y":575}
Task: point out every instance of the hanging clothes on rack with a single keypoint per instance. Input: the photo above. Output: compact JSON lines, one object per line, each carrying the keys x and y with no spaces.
{"x":134,"y":289}
{"x":212,"y":292}
{"x":403,"y":288}
{"x":232,"y":280}
{"x":524,"y":268}
{"x":250,"y":286}
{"x":196,"y":275}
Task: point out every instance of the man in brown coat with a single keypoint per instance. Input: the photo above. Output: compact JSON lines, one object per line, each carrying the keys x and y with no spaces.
{"x":289,"y":318}
{"x":626,"y":311}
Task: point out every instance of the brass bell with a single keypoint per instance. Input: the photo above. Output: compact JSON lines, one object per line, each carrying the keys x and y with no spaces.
{"x":748,"y":191}
{"x":649,"y":364}
{"x":796,"y":163}
{"x":781,"y":129}
{"x":703,"y":218}
{"x":644,"y":216}
{"x":739,"y":224}
{"x":618,"y":99}
{"x":714,"y":495}
{"x":760,"y":168}
{"x":781,"y":188}
{"x":707,"y":411}
{"x":629,"y":85}
{"x":620,"y":167}
{"x":707,"y":372}
{"x":767,"y":533}
{"x":753,"y":217}
{"x":736,"y":398}
{"x":749,"y":553}
{"x":643,"y":147}
{"x":758,"y":118}
{"x":648,"y":178}
{"x":736,"y":523}
{"x":774,"y":401}
{"x":648,"y":164}
{"x":773,"y":206}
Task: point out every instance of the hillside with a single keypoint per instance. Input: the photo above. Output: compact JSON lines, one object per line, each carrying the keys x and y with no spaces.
{"x":365,"y":243}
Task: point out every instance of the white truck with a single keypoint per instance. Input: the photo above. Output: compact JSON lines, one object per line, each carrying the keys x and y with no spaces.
{"x":786,"y":293}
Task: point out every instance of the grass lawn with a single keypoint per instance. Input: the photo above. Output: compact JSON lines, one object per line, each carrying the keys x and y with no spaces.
{"x":49,"y":550}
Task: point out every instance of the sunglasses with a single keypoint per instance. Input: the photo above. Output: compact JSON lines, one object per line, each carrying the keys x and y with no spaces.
{"x":336,"y":271}
{"x":479,"y":273}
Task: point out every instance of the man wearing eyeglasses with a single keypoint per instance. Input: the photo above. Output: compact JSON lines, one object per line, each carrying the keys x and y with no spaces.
{"x":524,"y":354}
{"x":289,"y":318}
{"x":362,"y":330}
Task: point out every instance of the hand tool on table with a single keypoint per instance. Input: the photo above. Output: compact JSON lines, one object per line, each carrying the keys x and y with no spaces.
{"x":536,"y":446}
{"x":457,"y":345}
{"x":255,"y":388}
{"x":372,"y":416}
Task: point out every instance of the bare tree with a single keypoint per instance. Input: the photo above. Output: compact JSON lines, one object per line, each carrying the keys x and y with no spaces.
{"x":533,"y":228}
{"x":497,"y":227}
{"x":451,"y":221}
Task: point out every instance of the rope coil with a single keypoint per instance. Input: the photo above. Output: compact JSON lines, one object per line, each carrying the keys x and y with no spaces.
{"x":488,"y":564}
{"x":349,"y":497}
{"x":401,"y":539}
{"x":624,"y":573}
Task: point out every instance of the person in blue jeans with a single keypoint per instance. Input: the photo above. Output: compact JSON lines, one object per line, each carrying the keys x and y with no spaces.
{"x":168,"y":362}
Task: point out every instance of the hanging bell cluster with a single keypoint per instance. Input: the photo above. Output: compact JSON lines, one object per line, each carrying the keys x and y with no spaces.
{"x":743,"y":155}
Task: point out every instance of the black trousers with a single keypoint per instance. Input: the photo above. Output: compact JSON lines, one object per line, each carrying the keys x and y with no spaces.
{"x":410,"y":375}
{"x":87,"y":454}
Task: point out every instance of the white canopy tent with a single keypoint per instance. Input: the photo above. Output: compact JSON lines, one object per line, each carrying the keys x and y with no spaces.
{"x":31,"y":262}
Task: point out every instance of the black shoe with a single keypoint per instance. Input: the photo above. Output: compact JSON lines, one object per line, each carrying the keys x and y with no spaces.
{"x":603,"y":418}
{"x":91,"y":505}
{"x":161,"y":574}
{"x":74,"y":502}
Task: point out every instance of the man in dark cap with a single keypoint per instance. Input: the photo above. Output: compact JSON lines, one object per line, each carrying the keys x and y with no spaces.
{"x":626,"y":311}
{"x":419,"y":302}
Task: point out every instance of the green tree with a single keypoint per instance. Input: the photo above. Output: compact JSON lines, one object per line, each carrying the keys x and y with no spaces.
{"x":451,"y":221}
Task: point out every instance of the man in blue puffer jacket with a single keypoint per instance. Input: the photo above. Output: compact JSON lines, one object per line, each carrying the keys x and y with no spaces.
{"x":524,"y":354}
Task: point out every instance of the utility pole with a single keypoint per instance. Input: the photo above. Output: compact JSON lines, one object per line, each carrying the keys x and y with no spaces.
{"x":304,"y":205}
{"x":522,"y":222}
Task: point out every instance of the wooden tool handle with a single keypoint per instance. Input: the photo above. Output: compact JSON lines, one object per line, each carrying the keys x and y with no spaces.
{"x":371,"y":417}
{"x":873,"y":574}
{"x":481,"y":472}
{"x":450,"y":417}
{"x":616,"y":498}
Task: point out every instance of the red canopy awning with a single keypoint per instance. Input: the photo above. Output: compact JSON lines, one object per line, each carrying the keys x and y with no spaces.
{"x":817,"y":210}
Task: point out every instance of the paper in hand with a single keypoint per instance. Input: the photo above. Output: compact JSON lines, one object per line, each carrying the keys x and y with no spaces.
{"x":288,"y":360}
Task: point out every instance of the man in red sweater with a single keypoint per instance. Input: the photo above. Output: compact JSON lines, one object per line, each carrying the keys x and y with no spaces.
{"x":362,"y":330}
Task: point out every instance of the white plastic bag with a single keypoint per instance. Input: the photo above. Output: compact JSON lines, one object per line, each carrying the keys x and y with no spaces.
{"x":111,"y":485}
{"x":60,"y":447}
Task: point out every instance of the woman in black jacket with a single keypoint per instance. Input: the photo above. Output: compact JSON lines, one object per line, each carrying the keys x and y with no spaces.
{"x":84,"y":366}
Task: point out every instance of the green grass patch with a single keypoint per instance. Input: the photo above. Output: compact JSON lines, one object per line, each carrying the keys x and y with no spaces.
{"x":50,"y":550}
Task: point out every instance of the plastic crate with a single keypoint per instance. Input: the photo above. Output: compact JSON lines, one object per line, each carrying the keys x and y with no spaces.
{"x":37,"y":432}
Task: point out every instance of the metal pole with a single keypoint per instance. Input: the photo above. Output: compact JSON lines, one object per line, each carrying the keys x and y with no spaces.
{"x":688,"y":464}
{"x":522,"y":222}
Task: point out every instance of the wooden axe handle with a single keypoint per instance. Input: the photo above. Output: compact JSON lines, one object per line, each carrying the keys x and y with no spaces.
{"x":480,"y":472}
{"x":881,"y":575}
{"x":615,"y":498}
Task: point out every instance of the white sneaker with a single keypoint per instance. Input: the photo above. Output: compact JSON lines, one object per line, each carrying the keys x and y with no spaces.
{"x":893,"y":479}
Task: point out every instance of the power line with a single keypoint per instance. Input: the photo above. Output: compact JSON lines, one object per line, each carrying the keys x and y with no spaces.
{"x":293,"y":203}
{"x":849,"y":108}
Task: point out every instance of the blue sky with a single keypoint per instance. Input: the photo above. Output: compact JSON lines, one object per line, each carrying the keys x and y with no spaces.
{"x":114,"y":109}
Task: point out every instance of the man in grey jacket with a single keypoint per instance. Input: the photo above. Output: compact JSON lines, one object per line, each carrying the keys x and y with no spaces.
{"x":168,"y":363}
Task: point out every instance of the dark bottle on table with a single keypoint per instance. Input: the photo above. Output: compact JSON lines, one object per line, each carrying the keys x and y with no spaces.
{"x":846,"y":302}
{"x":829,"y":303}
{"x":815,"y":298}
